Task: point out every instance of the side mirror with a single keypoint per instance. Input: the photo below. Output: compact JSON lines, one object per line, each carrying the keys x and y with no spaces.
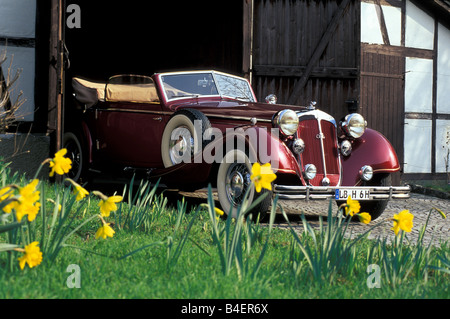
{"x":271,"y":99}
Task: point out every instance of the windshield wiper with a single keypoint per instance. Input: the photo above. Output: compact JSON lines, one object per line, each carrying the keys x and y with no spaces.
{"x":245,"y":98}
{"x":187,"y":95}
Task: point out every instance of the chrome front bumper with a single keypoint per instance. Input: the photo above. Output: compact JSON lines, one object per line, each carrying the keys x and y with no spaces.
{"x":324,"y":192}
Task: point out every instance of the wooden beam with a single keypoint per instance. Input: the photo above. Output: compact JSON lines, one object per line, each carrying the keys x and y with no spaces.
{"x":398,"y":51}
{"x":382,"y":22}
{"x":318,"y":52}
{"x":434,"y":102}
{"x":299,"y":71}
{"x":392,"y":3}
{"x":425,"y":176}
{"x":248,"y":39}
{"x":382,"y":75}
{"x":56,"y":73}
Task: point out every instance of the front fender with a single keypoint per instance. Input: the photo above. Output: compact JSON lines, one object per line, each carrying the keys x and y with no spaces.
{"x":270,"y":149}
{"x":371,"y":149}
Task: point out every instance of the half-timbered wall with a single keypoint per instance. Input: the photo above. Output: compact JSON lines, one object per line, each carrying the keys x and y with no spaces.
{"x":405,"y":58}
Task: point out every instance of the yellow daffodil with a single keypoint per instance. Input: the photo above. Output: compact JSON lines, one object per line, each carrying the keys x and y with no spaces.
{"x":262,"y":176}
{"x":364,"y":218}
{"x":32,"y":256}
{"x":27,"y":202}
{"x":218,"y":212}
{"x":5,"y":193}
{"x":78,"y":191}
{"x":403,"y":221}
{"x":352,"y":207}
{"x":105,"y":231}
{"x":108,"y":205}
{"x":60,"y":164}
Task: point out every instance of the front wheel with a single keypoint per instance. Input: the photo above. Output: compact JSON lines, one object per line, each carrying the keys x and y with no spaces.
{"x":375,"y":207}
{"x":233,"y":182}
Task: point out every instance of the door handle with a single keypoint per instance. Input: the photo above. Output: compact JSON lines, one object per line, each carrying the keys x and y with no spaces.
{"x":159,"y":119}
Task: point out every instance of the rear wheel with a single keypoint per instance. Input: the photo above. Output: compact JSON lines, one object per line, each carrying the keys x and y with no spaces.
{"x":76,"y":155}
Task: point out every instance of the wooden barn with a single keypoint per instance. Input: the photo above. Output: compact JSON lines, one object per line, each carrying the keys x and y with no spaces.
{"x":387,"y":59}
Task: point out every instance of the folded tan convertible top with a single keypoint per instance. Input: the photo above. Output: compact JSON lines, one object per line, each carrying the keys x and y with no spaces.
{"x":90,"y":93}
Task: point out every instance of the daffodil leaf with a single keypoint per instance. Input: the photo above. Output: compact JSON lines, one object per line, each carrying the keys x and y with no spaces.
{"x":7,"y":247}
{"x":8,"y":227}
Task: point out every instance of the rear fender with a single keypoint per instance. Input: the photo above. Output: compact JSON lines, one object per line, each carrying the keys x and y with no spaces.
{"x":87,"y":141}
{"x":371,"y":149}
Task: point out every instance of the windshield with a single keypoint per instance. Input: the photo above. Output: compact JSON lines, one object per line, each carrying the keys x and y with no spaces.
{"x":197,"y":84}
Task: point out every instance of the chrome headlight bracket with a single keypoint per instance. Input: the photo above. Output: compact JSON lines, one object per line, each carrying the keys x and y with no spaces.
{"x":298,"y":146}
{"x":346,"y":148}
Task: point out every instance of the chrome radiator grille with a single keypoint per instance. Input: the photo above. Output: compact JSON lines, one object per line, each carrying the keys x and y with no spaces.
{"x":320,"y":137}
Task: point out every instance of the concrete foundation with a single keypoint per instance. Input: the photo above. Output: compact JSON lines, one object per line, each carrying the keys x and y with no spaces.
{"x":25,"y":153}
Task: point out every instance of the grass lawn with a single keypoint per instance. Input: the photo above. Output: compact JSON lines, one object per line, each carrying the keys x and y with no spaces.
{"x":164,"y":251}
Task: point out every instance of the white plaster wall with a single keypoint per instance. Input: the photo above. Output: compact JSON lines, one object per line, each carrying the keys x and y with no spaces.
{"x":17,"y":18}
{"x":442,"y":145}
{"x":417,"y":146}
{"x":393,"y":20}
{"x":370,"y":25}
{"x":419,"y":28}
{"x":443,"y":76}
{"x":419,"y":85}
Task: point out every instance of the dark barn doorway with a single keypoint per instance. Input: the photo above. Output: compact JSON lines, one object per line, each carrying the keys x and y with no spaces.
{"x":144,"y":37}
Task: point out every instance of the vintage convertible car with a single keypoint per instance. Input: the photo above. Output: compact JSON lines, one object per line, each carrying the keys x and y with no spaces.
{"x":191,"y":129}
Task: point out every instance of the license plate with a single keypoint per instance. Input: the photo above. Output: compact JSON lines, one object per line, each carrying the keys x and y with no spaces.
{"x":355,"y":193}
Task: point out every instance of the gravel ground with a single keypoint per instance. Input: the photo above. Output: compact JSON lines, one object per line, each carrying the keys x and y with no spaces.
{"x":437,"y":231}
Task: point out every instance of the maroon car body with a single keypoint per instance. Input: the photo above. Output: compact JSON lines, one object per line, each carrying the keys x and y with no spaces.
{"x":139,"y":124}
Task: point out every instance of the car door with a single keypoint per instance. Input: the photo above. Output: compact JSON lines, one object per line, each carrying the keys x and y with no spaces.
{"x":130,"y":125}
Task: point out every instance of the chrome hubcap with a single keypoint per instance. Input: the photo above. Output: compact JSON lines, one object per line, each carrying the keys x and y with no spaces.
{"x":181,"y":145}
{"x":237,"y":183}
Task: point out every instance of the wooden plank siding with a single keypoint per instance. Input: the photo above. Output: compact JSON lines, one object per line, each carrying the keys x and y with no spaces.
{"x":382,"y":95}
{"x":286,"y":35}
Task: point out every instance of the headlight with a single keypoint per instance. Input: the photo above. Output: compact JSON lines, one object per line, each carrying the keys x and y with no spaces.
{"x":366,"y":173}
{"x":310,"y":171}
{"x":354,"y":125}
{"x":287,"y":121}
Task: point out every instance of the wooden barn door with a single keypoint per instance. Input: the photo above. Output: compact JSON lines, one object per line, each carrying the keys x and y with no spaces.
{"x":382,"y":93}
{"x":303,"y":51}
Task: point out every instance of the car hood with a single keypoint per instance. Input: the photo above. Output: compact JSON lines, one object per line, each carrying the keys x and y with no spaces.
{"x":234,"y":109}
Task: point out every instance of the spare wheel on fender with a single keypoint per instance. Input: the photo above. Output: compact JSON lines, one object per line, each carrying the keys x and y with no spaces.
{"x":183,"y":136}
